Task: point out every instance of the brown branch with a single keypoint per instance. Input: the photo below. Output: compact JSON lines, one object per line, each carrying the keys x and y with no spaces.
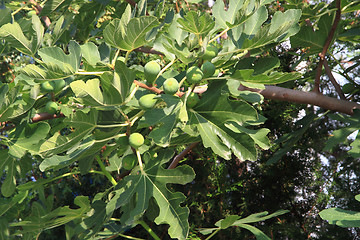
{"x":46,"y":116}
{"x":333,"y":80}
{"x":148,"y":50}
{"x":313,"y":98}
{"x":132,"y":3}
{"x":38,"y":10}
{"x":154,"y":89}
{"x":326,"y":46}
{"x":181,"y":155}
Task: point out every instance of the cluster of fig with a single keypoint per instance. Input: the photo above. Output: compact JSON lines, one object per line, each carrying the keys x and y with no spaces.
{"x":51,"y":87}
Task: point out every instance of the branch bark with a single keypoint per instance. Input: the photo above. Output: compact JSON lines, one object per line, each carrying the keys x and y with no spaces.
{"x":312,"y":98}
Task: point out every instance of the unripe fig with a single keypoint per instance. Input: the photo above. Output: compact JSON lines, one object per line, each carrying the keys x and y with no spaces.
{"x":194,"y":75}
{"x":47,"y":86}
{"x":151,"y":70}
{"x":210,"y":53}
{"x":208,"y":69}
{"x":129,"y":161}
{"x":171,"y":86}
{"x":148,"y":101}
{"x":348,"y":88}
{"x":58,"y":84}
{"x":192,"y":100}
{"x":51,"y":107}
{"x":136,"y":140}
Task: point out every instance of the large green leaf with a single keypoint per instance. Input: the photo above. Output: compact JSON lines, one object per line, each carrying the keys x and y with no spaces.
{"x":82,"y":125}
{"x":5,"y":16}
{"x":164,"y":120}
{"x":246,"y":75}
{"x":282,"y":26}
{"x":26,"y":138}
{"x":223,"y":16}
{"x":13,"y":106}
{"x":40,"y":220}
{"x":151,"y":183}
{"x":114,"y":87}
{"x":341,"y":217}
{"x":209,"y":116}
{"x":312,"y":40}
{"x":14,"y":35}
{"x":130,"y":36}
{"x":199,"y":24}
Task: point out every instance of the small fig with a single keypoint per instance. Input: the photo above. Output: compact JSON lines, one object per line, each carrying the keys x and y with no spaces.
{"x":136,"y":140}
{"x":171,"y":86}
{"x":51,"y":107}
{"x":148,"y":101}
{"x":194,"y":75}
{"x":151,"y":70}
{"x":208,"y":69}
{"x":129,"y":161}
{"x":47,"y":86}
{"x":58,"y":84}
{"x":192,"y":100}
{"x":210,"y":53}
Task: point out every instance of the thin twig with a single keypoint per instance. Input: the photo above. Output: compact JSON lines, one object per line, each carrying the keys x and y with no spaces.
{"x":181,"y":155}
{"x":38,"y":10}
{"x":326,"y":47}
{"x":333,"y":80}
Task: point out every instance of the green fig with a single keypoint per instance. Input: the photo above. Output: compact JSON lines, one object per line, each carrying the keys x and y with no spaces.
{"x":208,"y":69}
{"x":210,"y":53}
{"x":151,"y":70}
{"x":194,"y":75}
{"x":136,"y":140}
{"x":129,"y":161}
{"x":148,"y":101}
{"x":51,"y":107}
{"x":171,"y":86}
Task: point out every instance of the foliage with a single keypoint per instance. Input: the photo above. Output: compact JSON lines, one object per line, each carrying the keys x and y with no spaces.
{"x":99,"y":49}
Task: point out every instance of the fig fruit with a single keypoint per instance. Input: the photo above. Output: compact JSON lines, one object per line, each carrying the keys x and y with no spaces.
{"x":348,"y":88}
{"x":210,"y":53}
{"x":58,"y":84}
{"x":129,"y":161}
{"x":47,"y":86}
{"x":136,"y":140}
{"x":192,"y":100}
{"x":51,"y":107}
{"x":151,"y":70}
{"x":148,"y":101}
{"x":208,"y":69}
{"x":171,"y":86}
{"x":194,"y":75}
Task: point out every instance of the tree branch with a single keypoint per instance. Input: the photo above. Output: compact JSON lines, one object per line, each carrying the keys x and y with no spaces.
{"x":333,"y":80}
{"x":148,"y":50}
{"x":326,"y":47}
{"x":38,"y":10}
{"x":181,"y":155}
{"x":313,"y":98}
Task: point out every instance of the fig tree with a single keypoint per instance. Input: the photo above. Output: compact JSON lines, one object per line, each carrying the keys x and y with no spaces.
{"x":208,"y":69}
{"x":210,"y":53}
{"x":51,"y":107}
{"x":171,"y":86}
{"x":148,"y":101}
{"x":136,"y":140}
{"x":194,"y":75}
{"x":129,"y":161}
{"x":151,"y":70}
{"x":47,"y":86}
{"x":192,"y":100}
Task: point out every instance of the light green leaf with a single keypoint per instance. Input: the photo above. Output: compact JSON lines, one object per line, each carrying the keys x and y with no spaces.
{"x":246,"y":75}
{"x":199,"y":24}
{"x":82,"y":124}
{"x":180,"y":51}
{"x":5,"y":16}
{"x":90,"y":53}
{"x":26,"y":138}
{"x":152,"y":183}
{"x":257,"y":217}
{"x":132,"y":35}
{"x":53,"y":5}
{"x":14,"y":35}
{"x":282,"y":26}
{"x":340,"y":217}
{"x":208,"y":118}
{"x":227,"y":222}
{"x":259,"y":234}
{"x":222,"y":17}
